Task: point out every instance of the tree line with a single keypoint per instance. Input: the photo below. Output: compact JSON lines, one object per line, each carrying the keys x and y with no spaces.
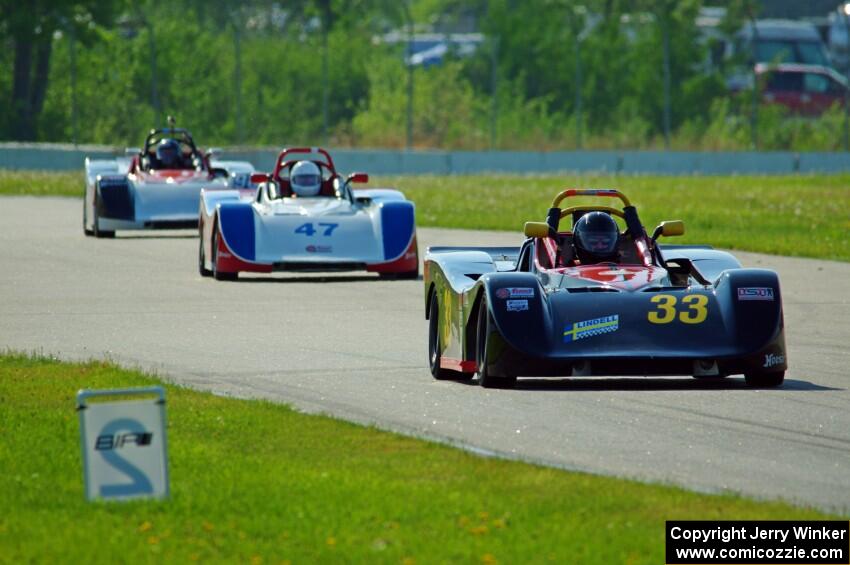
{"x":548,"y":74}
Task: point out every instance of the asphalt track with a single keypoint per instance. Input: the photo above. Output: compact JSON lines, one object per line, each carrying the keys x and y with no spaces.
{"x":355,"y":347}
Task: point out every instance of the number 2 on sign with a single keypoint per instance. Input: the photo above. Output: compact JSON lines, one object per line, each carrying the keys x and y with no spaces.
{"x":308,"y":229}
{"x":695,"y":309}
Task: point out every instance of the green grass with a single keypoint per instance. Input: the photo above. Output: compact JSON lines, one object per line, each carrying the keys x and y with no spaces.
{"x":806,"y":216}
{"x":42,"y":183}
{"x":257,"y":482}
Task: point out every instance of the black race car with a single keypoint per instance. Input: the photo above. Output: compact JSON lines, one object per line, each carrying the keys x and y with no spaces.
{"x":537,"y":310}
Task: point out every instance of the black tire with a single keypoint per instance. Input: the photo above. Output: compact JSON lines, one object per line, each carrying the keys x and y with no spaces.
{"x":217,"y":275}
{"x":86,"y":230}
{"x":99,"y":233}
{"x":765,"y":380}
{"x":435,"y":349}
{"x":201,"y":258}
{"x":409,"y":275}
{"x":485,"y":377}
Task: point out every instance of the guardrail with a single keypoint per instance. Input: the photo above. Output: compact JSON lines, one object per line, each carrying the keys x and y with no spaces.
{"x":55,"y":157}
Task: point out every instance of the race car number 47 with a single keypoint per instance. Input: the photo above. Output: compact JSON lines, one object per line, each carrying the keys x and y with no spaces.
{"x":308,"y":229}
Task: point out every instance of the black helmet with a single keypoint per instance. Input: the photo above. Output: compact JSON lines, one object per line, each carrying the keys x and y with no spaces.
{"x":168,"y":154}
{"x":595,"y":237}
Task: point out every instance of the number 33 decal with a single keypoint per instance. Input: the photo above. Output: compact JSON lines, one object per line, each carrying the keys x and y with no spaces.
{"x":693,"y":310}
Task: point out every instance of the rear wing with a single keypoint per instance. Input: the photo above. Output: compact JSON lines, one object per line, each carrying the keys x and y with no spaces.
{"x":495,"y":253}
{"x":474,"y":259}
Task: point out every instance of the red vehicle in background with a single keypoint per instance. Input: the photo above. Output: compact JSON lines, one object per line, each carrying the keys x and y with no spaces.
{"x":807,"y":90}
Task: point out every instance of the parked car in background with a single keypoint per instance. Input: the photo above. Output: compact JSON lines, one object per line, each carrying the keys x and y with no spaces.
{"x":772,"y":42}
{"x":782,"y":41}
{"x":803,"y":89}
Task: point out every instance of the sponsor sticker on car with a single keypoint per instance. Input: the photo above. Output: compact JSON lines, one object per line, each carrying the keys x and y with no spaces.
{"x":517,"y":305}
{"x":755,"y":293}
{"x":772,"y":360}
{"x":590,"y":328}
{"x":319,"y":249}
{"x":515,"y":292}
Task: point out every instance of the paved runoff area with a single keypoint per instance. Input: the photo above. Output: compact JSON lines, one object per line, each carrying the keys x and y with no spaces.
{"x":355,"y":347}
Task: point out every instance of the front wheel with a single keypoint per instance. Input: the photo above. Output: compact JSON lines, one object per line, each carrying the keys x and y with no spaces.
{"x":486,"y":377}
{"x":765,"y":380}
{"x":99,"y":233}
{"x":219,"y":275}
{"x":407,"y":275}
{"x":435,"y":347}
{"x":86,"y":229}
{"x":202,"y":269}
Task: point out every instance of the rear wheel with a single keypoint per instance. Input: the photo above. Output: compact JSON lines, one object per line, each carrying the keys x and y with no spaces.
{"x":96,"y":219}
{"x":765,"y":380}
{"x":435,"y":348}
{"x":486,"y":377}
{"x":218,"y":275}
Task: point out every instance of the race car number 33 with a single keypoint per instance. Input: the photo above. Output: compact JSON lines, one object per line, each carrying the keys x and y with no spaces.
{"x":691,"y":309}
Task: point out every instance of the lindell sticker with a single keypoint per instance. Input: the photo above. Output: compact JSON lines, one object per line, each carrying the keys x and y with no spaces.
{"x":590,"y":328}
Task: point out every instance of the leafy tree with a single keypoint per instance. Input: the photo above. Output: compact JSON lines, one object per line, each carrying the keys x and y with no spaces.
{"x":30,"y":30}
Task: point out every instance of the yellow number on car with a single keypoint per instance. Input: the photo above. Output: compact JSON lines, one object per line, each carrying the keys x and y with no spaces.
{"x":697,"y":311}
{"x":666,"y":311}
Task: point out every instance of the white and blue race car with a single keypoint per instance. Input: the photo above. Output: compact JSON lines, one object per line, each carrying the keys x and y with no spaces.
{"x":273,"y":228}
{"x":143,"y":191}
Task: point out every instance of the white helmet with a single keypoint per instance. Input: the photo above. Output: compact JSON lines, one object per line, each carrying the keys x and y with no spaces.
{"x":305,"y":178}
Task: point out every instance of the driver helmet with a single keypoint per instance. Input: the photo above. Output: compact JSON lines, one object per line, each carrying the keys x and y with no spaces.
{"x":168,"y":154}
{"x":595,"y":237}
{"x":305,"y":178}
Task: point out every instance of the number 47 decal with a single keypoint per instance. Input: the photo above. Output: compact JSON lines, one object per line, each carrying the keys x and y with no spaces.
{"x":308,"y":229}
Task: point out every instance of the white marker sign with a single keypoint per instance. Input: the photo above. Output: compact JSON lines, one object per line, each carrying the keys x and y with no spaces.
{"x":125,"y":452}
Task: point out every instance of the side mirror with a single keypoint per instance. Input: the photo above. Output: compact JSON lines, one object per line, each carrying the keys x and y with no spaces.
{"x":259,"y":178}
{"x":536,"y":229}
{"x":131,"y":151}
{"x":669,"y":228}
{"x":359,"y":178}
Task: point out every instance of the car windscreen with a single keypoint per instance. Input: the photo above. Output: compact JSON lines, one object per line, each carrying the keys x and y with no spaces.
{"x":812,"y":53}
{"x":781,"y":51}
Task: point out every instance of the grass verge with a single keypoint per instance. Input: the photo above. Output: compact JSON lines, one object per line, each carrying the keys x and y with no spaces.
{"x":254,"y":481}
{"x":803,"y":216}
{"x":42,"y":183}
{"x":799,"y":215}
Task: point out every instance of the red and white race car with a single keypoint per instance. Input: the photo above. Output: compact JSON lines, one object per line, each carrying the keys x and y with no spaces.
{"x":156,"y":187}
{"x":334,"y":228}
